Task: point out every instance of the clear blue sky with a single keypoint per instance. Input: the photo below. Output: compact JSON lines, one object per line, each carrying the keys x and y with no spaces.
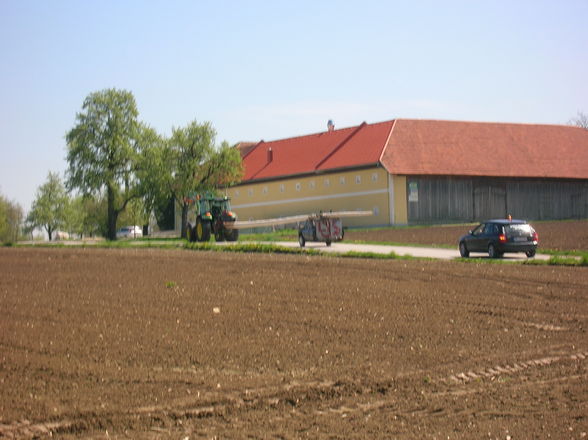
{"x":274,"y":69}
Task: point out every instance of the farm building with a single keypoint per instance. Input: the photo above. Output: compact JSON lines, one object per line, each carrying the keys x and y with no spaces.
{"x":419,"y":172}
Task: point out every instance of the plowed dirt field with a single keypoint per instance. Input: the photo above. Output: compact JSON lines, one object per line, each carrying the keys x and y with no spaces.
{"x":147,"y":343}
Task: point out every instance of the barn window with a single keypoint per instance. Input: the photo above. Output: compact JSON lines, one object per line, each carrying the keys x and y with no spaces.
{"x":311,"y":184}
{"x":327,"y":182}
{"x":237,"y":193}
{"x":374,"y":177}
{"x":265,"y":190}
{"x":342,"y":180}
{"x":282,"y":188}
{"x":250,"y":191}
{"x":298,"y":186}
{"x":358,"y":179}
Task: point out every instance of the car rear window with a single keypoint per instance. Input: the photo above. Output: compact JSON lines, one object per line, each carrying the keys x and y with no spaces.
{"x":518,"y":230}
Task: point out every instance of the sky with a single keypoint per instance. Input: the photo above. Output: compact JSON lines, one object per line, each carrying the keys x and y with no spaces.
{"x":276,"y":69}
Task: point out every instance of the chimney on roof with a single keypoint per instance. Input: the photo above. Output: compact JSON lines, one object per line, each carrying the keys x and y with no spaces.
{"x":330,"y":125}
{"x":270,"y":155}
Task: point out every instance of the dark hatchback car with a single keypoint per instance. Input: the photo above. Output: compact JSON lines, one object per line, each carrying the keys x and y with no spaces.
{"x":500,"y":236}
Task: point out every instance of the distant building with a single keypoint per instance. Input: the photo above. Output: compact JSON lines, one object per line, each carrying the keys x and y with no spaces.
{"x":419,"y":171}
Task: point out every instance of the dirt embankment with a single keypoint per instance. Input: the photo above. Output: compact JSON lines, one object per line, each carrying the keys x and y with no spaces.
{"x":146,"y":343}
{"x":560,"y":236}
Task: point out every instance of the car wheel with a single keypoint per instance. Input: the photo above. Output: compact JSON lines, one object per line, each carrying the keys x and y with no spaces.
{"x":530,"y":254}
{"x":301,"y":240}
{"x":492,"y":252}
{"x":463,"y":250}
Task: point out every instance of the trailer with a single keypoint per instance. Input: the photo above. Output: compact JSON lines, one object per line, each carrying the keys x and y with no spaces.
{"x":324,"y":227}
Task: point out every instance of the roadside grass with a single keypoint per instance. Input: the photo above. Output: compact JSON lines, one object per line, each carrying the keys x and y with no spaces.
{"x":279,"y":235}
{"x":269,"y":248}
{"x":554,"y":260}
{"x":562,"y":260}
{"x":265,"y":248}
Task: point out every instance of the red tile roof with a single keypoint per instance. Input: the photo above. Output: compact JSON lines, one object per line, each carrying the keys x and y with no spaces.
{"x":425,"y":147}
{"x":346,"y":147}
{"x":486,"y":149}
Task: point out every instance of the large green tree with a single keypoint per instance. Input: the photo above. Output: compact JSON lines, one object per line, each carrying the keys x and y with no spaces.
{"x":11,"y":217}
{"x":151,"y":175}
{"x":103,"y":151}
{"x":49,"y":209}
{"x":195,"y":164}
{"x":94,"y":215}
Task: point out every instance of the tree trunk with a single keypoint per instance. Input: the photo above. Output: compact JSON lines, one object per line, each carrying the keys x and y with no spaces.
{"x":112,"y":215}
{"x":184,"y":220}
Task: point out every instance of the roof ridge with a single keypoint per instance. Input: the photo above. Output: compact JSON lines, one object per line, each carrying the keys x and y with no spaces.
{"x":254,"y":148}
{"x":341,"y":144}
{"x":463,"y":121}
{"x":387,"y":141}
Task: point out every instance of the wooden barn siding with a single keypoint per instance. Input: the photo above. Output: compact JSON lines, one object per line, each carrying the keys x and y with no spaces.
{"x":448,"y":199}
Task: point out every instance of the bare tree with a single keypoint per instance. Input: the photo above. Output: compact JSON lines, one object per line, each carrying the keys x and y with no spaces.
{"x":581,"y":120}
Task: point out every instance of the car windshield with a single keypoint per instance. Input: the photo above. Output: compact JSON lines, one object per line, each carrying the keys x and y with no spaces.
{"x":518,"y":230}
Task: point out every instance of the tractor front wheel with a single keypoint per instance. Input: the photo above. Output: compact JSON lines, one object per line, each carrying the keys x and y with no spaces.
{"x":202,"y":230}
{"x":231,"y":234}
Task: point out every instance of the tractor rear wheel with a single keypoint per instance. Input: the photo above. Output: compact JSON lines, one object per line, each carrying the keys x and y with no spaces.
{"x":202,"y":230}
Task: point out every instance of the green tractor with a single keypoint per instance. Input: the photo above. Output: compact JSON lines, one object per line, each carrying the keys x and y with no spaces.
{"x":212,"y":215}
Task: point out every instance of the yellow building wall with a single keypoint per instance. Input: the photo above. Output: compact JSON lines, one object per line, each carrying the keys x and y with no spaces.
{"x":400,"y":200}
{"x":366,"y":189}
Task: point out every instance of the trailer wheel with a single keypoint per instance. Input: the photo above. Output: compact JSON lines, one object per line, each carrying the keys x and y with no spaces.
{"x":202,"y":230}
{"x":301,"y":240}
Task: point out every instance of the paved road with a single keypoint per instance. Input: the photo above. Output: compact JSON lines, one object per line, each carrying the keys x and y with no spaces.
{"x":426,"y":252}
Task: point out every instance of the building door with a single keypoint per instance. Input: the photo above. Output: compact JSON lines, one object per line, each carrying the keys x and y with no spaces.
{"x":489,"y":201}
